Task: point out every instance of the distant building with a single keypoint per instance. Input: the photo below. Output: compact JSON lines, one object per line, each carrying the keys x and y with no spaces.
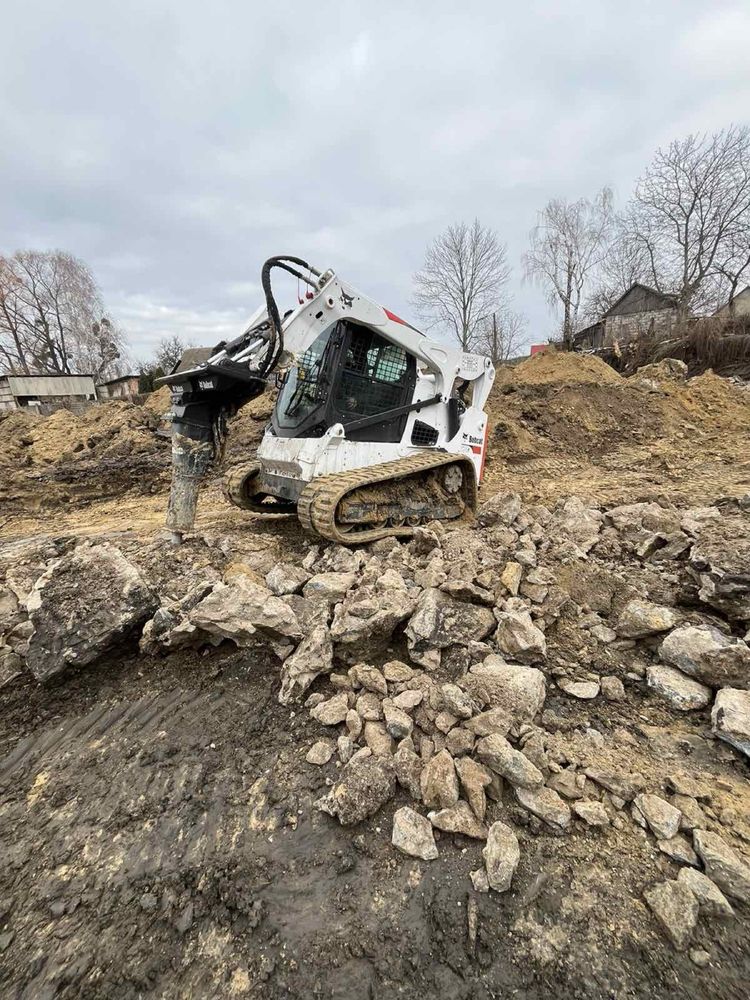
{"x":45,"y":393}
{"x":739,"y":306}
{"x":124,"y":387}
{"x":641,"y":310}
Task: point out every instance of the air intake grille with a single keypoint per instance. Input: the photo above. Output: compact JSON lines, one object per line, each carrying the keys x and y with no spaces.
{"x":423,"y":435}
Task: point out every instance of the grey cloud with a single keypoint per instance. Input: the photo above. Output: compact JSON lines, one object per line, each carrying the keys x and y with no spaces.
{"x":174,"y":146}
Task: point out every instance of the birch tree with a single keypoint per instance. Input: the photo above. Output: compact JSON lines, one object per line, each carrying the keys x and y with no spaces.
{"x":565,"y":247}
{"x":52,"y":319}
{"x":462,"y":280}
{"x":689,"y":219}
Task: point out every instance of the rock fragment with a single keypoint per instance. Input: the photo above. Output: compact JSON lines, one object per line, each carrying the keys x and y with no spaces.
{"x":591,"y":812}
{"x":639,"y":619}
{"x":730,"y":718}
{"x":497,"y":753}
{"x":517,"y":689}
{"x":662,"y":818}
{"x":412,"y":834}
{"x":439,"y":782}
{"x":546,"y":804}
{"x":584,"y":690}
{"x":378,"y":739}
{"x":474,"y":778}
{"x":680,"y":691}
{"x":83,"y":605}
{"x":397,"y":722}
{"x":398,"y":672}
{"x":408,"y":766}
{"x":495,"y":720}
{"x":612,"y":688}
{"x":459,"y":819}
{"x":679,"y":849}
{"x":330,"y":587}
{"x":711,"y":899}
{"x":723,"y":864}
{"x":501,"y":856}
{"x":320,"y":753}
{"x":518,"y":637}
{"x":286,"y":578}
{"x":458,"y":702}
{"x":707,"y":655}
{"x":621,"y":783}
{"x":313,"y":657}
{"x":676,"y":909}
{"x":369,"y":678}
{"x":366,"y":784}
{"x":332,"y":711}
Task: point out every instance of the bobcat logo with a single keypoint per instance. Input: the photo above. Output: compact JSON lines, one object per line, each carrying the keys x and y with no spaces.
{"x":346,"y":300}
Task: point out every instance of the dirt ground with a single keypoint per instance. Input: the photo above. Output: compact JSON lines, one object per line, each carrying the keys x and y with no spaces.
{"x":157,"y":813}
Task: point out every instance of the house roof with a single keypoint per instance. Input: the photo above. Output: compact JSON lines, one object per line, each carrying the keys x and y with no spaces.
{"x":745,"y":291}
{"x":120,"y":378}
{"x":667,"y":300}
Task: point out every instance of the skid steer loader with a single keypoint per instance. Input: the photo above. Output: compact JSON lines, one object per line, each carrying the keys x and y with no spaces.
{"x":376,"y":428}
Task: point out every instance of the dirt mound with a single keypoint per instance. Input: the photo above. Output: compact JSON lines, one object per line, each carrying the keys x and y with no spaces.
{"x":562,"y":423}
{"x":108,"y":448}
{"x":159,"y":401}
{"x":556,"y":367}
{"x":246,"y":429}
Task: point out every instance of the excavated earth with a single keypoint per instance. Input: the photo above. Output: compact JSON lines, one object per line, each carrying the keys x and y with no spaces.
{"x":164,"y":831}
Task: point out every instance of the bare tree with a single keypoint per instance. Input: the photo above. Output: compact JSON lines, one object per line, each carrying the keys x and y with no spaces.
{"x":690,"y":216}
{"x":462,"y":280}
{"x":52,"y":319}
{"x":623,"y":264}
{"x":169,"y":352}
{"x":567,"y":244}
{"x":501,"y":334}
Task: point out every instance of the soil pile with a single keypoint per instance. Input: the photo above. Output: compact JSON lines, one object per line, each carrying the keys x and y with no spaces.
{"x":109,"y":448}
{"x":564,"y":423}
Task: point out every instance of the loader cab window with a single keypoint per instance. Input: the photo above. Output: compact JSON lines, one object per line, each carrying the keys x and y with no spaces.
{"x":303,"y":391}
{"x":374,"y":374}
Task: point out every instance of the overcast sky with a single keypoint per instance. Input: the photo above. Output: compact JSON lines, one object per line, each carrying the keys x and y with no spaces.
{"x":176,"y":145}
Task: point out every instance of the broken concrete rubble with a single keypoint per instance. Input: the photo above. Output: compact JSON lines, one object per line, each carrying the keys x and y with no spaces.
{"x":412,"y":834}
{"x":730,"y":718}
{"x":501,"y":856}
{"x":83,"y":605}
{"x":365,"y":785}
{"x":519,"y":638}
{"x":682,"y":693}
{"x":707,"y":655}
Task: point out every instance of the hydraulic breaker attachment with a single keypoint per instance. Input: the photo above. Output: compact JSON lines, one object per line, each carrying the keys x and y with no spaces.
{"x":202,"y":399}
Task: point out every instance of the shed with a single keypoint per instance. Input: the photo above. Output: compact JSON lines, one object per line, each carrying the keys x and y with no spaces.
{"x":638,"y":311}
{"x":123,"y":387}
{"x":45,"y":392}
{"x":739,"y":306}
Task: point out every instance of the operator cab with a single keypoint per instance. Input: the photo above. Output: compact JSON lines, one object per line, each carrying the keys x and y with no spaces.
{"x":348,"y":375}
